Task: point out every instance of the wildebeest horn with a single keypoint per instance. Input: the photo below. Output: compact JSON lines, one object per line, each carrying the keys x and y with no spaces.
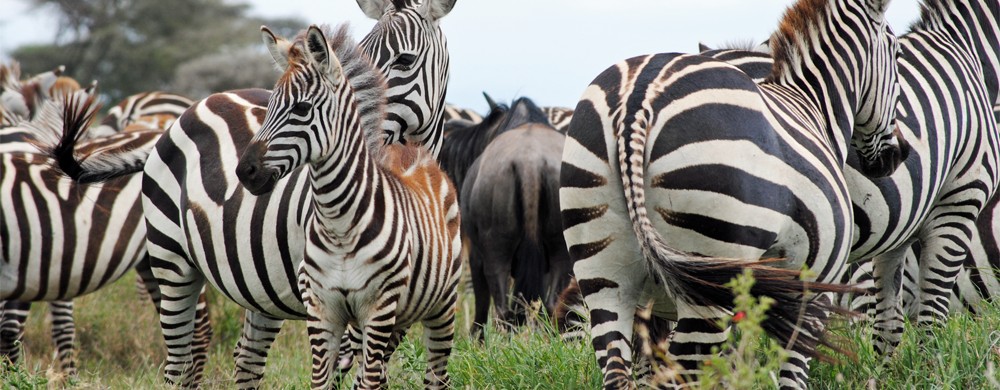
{"x":490,"y":101}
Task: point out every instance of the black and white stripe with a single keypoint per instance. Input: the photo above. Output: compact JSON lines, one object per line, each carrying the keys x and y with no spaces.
{"x":921,"y":219}
{"x":60,"y":239}
{"x":204,"y":226}
{"x":382,"y":247}
{"x":733,"y":170}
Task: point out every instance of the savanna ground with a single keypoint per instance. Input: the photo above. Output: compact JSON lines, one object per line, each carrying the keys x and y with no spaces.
{"x":121,"y":348}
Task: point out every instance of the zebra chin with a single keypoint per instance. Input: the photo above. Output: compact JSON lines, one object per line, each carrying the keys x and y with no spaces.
{"x":887,"y":160}
{"x":252,"y":173}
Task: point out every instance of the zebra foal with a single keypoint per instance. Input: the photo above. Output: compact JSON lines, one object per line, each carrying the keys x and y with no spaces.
{"x":382,"y":241}
{"x":675,"y":163}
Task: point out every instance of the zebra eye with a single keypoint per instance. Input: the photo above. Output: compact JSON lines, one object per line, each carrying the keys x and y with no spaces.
{"x":301,"y":108}
{"x":405,"y":61}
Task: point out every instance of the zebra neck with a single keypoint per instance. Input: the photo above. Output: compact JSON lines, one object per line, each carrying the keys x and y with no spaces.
{"x":343,"y":186}
{"x":823,"y":92}
{"x":973,"y":25}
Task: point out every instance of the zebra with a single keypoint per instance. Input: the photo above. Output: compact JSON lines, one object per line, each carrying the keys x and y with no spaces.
{"x":203,"y":225}
{"x":734,"y":170}
{"x":920,"y":220}
{"x":154,"y":109}
{"x":383,"y":244}
{"x":21,"y":100}
{"x":559,"y":117}
{"x":74,"y":251}
{"x":453,"y":112}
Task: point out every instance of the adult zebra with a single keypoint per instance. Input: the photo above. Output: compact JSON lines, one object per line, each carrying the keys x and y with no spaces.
{"x":735,"y":170}
{"x":154,"y":109}
{"x":383,"y":244}
{"x":926,"y":212}
{"x":59,"y":240}
{"x":204,"y":226}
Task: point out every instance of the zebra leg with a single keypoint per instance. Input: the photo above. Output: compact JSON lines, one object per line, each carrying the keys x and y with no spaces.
{"x":612,"y":313}
{"x":887,"y":274}
{"x":439,"y":336}
{"x":13,"y":315}
{"x":941,"y":258}
{"x":180,"y":288}
{"x":695,"y":334}
{"x":324,"y":338}
{"x":64,"y":335}
{"x":259,"y":332}
{"x":350,"y":344}
{"x":202,"y":334}
{"x":378,"y":332}
{"x":794,"y":371}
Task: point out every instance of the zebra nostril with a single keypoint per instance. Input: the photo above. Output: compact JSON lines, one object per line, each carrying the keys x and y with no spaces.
{"x":250,"y":170}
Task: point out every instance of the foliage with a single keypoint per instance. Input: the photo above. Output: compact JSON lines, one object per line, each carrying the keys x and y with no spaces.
{"x":746,"y":364}
{"x":130,"y":46}
{"x":121,"y":347}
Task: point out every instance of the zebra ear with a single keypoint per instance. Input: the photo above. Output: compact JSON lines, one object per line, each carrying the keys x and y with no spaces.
{"x":703,"y":47}
{"x":436,"y":9}
{"x":375,"y":8}
{"x":277,"y":46}
{"x":879,"y":6}
{"x":319,"y":51}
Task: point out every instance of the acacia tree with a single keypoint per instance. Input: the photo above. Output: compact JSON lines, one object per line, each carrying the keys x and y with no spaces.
{"x":130,"y":46}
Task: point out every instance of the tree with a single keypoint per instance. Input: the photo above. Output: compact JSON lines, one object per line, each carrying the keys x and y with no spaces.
{"x":130,"y":46}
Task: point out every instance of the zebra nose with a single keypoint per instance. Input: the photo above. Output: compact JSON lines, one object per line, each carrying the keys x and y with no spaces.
{"x":250,"y":171}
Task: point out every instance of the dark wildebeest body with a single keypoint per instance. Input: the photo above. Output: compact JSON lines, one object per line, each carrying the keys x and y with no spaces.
{"x":511,"y":220}
{"x":464,"y":144}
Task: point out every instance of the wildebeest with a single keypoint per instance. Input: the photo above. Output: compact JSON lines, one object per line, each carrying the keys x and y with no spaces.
{"x":507,"y":168}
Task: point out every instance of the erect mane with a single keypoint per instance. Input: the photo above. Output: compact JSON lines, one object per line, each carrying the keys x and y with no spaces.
{"x":794,"y":31}
{"x":67,"y":114}
{"x":367,"y":82}
{"x":933,"y":12}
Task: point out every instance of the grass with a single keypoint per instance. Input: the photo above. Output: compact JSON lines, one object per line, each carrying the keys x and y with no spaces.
{"x":121,"y":347}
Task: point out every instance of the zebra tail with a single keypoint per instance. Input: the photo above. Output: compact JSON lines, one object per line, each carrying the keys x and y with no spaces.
{"x":795,"y":320}
{"x":99,"y":166}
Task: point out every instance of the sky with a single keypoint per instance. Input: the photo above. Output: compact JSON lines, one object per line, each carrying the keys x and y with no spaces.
{"x":548,"y":50}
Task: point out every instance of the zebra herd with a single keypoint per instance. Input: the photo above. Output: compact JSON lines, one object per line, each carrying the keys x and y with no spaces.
{"x":869,"y":159}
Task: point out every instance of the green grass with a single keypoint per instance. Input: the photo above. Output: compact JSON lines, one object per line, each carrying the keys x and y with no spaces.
{"x":121,"y":347}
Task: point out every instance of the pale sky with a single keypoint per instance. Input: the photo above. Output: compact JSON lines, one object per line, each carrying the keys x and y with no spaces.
{"x":548,"y":50}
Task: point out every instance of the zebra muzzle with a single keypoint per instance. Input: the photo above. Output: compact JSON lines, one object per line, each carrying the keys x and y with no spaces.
{"x":252,"y":173}
{"x":885,"y":162}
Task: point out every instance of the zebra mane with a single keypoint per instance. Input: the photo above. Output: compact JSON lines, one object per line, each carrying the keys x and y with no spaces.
{"x":793,"y":33}
{"x":932,"y":12}
{"x":739,"y":44}
{"x":367,"y":82}
{"x":68,"y":113}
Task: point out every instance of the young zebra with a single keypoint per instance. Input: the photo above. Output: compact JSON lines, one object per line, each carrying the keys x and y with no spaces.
{"x":90,"y":235}
{"x":733,"y":170}
{"x":382,"y":226}
{"x":927,"y":212}
{"x":203,"y":225}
